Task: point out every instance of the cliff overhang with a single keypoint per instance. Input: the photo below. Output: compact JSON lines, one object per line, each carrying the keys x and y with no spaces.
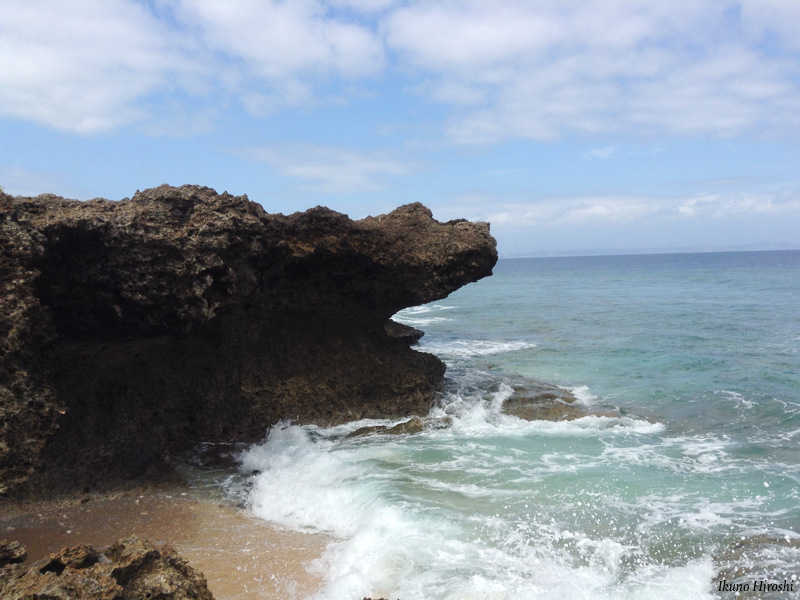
{"x":129,"y":328}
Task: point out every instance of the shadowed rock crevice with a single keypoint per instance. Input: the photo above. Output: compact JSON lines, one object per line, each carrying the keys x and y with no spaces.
{"x":131,"y":328}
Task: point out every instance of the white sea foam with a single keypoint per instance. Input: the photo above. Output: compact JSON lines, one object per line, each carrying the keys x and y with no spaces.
{"x":413,"y":529}
{"x":302,"y":485}
{"x":474,"y":414}
{"x":583,"y":395}
{"x":425,"y":308}
{"x":422,"y":321}
{"x":738,"y":399}
{"x":592,"y":424}
{"x":392,"y":556}
{"x":664,"y":514}
{"x":389,"y":543}
{"x":419,"y":316}
{"x":698,"y":454}
{"x":464,"y":348}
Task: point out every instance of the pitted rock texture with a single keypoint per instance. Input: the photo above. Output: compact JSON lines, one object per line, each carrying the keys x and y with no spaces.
{"x":131,"y":569}
{"x":130,"y":328}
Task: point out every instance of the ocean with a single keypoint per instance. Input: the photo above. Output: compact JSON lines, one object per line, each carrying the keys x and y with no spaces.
{"x":689,"y":490}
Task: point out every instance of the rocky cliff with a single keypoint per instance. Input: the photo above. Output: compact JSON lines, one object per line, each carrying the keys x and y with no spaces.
{"x":130,"y":328}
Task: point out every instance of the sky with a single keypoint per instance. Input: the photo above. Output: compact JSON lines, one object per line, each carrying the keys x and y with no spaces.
{"x":571,"y":126}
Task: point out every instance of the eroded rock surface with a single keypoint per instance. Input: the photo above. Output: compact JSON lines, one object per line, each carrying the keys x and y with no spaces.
{"x":130,"y":569}
{"x":129,"y":328}
{"x":539,"y":401}
{"x":11,"y":552}
{"x":409,"y":427}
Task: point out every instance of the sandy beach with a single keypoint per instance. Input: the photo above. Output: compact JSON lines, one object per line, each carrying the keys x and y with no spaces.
{"x":242,"y":557}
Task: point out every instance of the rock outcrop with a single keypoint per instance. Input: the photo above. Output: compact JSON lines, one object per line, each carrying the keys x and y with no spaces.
{"x":540,"y":401}
{"x":129,"y":328}
{"x":131,"y":569}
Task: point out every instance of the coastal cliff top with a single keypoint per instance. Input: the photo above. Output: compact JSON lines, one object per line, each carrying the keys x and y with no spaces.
{"x":172,"y":257}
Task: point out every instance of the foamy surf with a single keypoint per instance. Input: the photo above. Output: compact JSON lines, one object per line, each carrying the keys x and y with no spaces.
{"x":408,"y":524}
{"x":424,"y":309}
{"x":448,"y":513}
{"x":465,"y":348}
{"x":420,"y":316}
{"x":493,"y":506}
{"x":609,"y":506}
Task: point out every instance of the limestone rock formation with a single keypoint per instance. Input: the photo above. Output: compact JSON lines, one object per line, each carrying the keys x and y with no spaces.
{"x":11,"y":552}
{"x":130,"y":569}
{"x":540,"y":401}
{"x":129,"y":328}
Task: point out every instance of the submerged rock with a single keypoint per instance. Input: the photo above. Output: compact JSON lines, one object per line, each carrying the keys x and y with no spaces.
{"x":751,"y":558}
{"x":130,"y":569}
{"x":131,"y":328}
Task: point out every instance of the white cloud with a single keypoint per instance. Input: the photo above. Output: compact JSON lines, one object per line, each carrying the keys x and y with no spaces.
{"x":365,"y":6}
{"x":556,"y":212}
{"x":726,"y":92}
{"x":331,"y":169}
{"x":550,"y":68}
{"x":452,"y":92}
{"x":776,"y":21}
{"x":285,"y":40}
{"x":461,"y":37}
{"x":18,"y":181}
{"x":602,"y":211}
{"x":604,"y":152}
{"x":85,"y":65}
{"x":90,"y":66}
{"x":719,"y":206}
{"x":504,"y":70}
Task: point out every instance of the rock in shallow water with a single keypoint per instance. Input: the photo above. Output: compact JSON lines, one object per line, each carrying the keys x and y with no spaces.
{"x":538,"y":401}
{"x":410,"y":427}
{"x":130,"y":328}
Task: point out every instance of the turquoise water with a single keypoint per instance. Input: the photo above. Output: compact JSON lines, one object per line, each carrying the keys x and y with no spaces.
{"x":698,"y":482}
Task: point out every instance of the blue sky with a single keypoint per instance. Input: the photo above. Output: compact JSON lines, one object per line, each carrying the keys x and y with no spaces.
{"x":572,"y":126}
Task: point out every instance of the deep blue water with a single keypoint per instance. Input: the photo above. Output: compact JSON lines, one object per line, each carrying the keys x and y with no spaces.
{"x":697,"y":481}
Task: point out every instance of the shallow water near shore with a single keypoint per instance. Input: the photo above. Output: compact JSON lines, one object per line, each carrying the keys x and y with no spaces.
{"x":696,"y":482}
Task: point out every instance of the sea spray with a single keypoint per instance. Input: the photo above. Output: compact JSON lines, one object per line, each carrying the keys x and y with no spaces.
{"x":695,"y":481}
{"x":419,"y":517}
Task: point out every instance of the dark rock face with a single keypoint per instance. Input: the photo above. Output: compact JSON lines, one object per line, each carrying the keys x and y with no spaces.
{"x":130,"y":569}
{"x":128,"y":328}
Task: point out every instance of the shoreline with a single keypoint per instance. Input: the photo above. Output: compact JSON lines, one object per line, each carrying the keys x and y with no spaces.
{"x":241,"y":556}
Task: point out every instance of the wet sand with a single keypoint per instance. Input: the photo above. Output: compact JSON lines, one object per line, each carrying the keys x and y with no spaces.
{"x":242,"y":557}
